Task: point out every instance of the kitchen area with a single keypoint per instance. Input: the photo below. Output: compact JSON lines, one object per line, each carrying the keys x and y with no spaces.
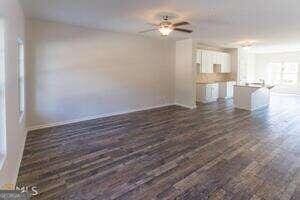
{"x":218,"y":78}
{"x":215,"y":77}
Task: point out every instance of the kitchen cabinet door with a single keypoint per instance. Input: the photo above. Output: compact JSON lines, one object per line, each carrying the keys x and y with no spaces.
{"x":215,"y":91}
{"x":199,"y":56}
{"x":207,"y":62}
{"x":204,"y":61}
{"x":199,"y":61}
{"x":226,"y":89}
{"x":208,"y":92}
{"x":229,"y":63}
{"x":214,"y":57}
{"x":226,"y":63}
{"x":212,"y":91}
{"x":207,"y":59}
{"x":219,"y":58}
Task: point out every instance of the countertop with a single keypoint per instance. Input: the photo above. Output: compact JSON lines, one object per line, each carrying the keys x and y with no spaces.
{"x":212,"y":82}
{"x":254,"y":86}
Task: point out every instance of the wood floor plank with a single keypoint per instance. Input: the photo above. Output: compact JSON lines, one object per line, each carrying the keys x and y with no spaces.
{"x":212,"y":152}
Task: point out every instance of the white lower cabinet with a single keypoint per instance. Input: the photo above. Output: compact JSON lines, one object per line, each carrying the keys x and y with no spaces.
{"x":226,"y":89}
{"x":207,"y":92}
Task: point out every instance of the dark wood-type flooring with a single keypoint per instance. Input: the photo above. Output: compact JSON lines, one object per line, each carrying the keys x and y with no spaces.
{"x":212,"y":152}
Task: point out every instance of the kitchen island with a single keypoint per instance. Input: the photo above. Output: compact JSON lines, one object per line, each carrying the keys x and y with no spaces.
{"x":251,"y":96}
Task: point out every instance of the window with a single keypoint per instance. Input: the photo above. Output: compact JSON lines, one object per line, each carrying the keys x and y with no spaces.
{"x":289,"y":74}
{"x":21,"y":79}
{"x":283,"y":74}
{"x":2,"y":93}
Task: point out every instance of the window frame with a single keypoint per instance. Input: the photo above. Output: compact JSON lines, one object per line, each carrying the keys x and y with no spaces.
{"x":283,"y":73}
{"x":280,"y":73}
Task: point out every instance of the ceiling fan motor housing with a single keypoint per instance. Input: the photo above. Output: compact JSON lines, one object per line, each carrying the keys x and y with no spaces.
{"x":165,"y":23}
{"x":166,"y":17}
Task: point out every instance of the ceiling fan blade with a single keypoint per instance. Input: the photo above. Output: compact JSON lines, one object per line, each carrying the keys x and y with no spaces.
{"x":149,"y":30}
{"x":183,"y":30}
{"x":152,"y":24}
{"x":180,"y":24}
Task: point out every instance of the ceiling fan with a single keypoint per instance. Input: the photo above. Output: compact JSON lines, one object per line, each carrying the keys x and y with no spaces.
{"x":166,"y":27}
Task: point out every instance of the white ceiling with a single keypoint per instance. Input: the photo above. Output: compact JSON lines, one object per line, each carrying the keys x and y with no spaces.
{"x":221,"y":22}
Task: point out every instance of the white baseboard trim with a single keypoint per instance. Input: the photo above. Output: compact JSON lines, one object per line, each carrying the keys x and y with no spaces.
{"x":37,"y":127}
{"x":252,"y":109}
{"x":185,"y":106}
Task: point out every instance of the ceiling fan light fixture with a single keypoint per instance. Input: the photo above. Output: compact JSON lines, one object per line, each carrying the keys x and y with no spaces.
{"x":165,"y":31}
{"x":165,"y":27}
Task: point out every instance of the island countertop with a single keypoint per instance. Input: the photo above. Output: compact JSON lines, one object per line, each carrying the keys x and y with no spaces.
{"x":254,"y":85}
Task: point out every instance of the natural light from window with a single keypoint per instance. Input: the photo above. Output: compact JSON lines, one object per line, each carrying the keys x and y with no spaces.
{"x":284,"y":74}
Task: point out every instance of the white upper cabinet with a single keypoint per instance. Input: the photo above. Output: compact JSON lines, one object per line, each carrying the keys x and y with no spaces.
{"x":199,"y":56}
{"x":226,"y":64}
{"x":206,"y":60}
{"x":220,"y":58}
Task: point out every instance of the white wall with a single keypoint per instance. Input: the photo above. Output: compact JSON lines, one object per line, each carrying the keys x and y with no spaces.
{"x":75,"y":72}
{"x":185,"y":73}
{"x":2,"y":90}
{"x":15,"y":131}
{"x":262,"y":61}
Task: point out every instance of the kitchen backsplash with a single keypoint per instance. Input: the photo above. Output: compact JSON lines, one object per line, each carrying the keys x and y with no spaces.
{"x":212,"y":77}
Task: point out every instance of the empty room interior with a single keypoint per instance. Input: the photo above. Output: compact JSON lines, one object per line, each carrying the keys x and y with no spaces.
{"x":150,"y":99}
